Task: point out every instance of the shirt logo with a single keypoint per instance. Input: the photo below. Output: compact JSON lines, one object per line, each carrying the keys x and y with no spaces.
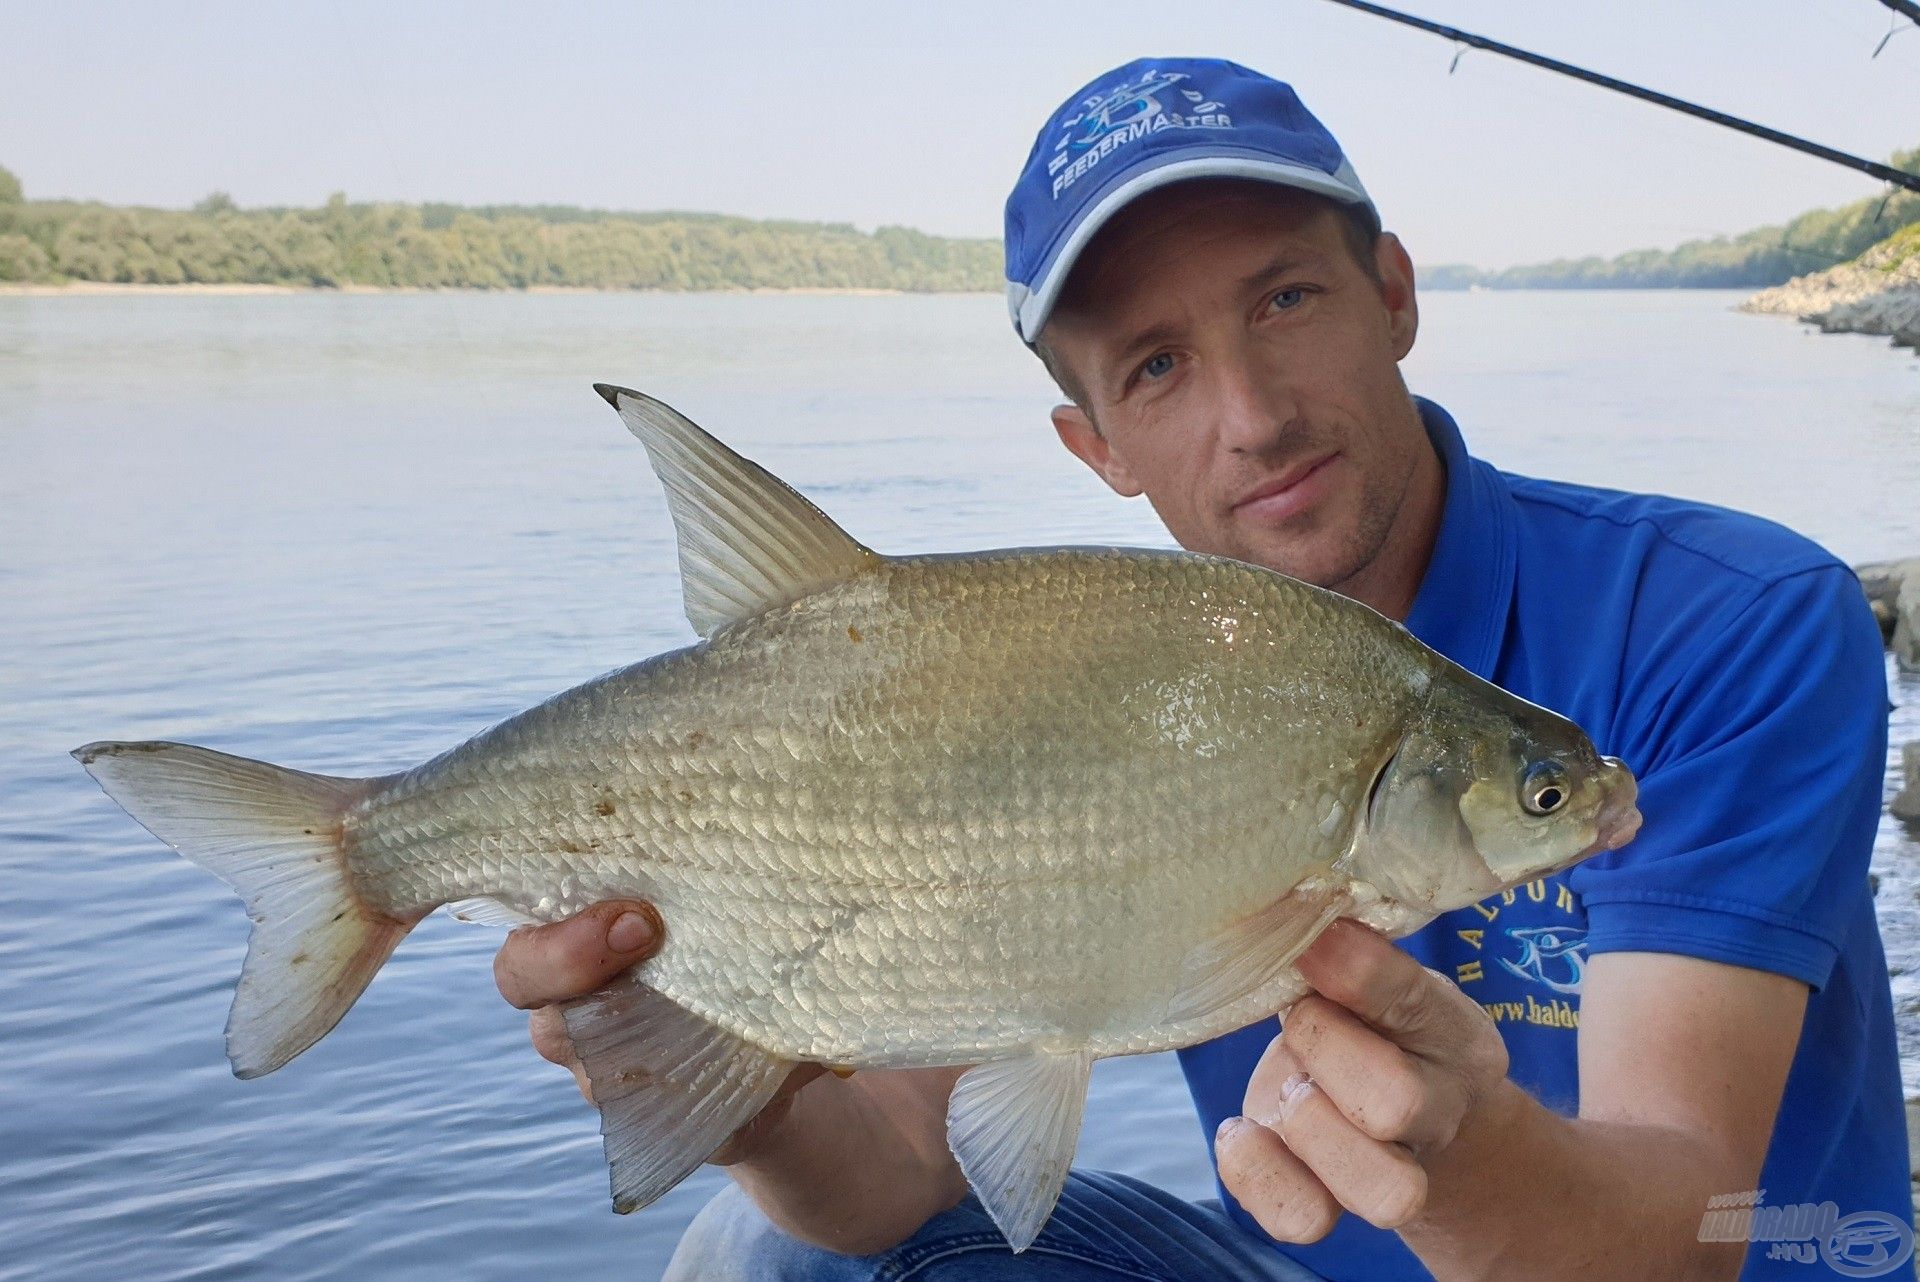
{"x":1131,"y":110}
{"x":1552,"y":956}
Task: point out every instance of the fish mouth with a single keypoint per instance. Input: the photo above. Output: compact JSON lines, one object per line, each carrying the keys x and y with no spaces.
{"x":1619,"y":818}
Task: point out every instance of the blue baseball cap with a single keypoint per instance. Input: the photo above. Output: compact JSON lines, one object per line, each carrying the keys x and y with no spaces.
{"x":1153,"y":122}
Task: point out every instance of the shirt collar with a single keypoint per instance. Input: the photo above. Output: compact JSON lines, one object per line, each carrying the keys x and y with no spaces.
{"x":1465,"y":596}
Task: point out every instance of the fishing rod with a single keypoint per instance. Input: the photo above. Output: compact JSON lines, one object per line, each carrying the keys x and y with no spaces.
{"x":1886,"y":173}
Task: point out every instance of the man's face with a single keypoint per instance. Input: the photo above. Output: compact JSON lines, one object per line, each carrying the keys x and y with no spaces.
{"x":1239,"y":367}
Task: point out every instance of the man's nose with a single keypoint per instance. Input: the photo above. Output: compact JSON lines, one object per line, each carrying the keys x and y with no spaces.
{"x":1256,"y":408}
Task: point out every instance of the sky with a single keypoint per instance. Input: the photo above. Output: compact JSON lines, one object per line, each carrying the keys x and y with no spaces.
{"x":921,"y":114}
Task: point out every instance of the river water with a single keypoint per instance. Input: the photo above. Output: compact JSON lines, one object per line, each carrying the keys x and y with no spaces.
{"x":344,"y":532}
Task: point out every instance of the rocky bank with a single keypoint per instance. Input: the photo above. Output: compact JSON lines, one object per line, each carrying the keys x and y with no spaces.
{"x":1876,"y":293}
{"x":1893,"y":590}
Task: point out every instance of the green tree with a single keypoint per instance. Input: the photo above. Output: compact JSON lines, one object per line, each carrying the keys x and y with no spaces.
{"x":10,"y":193}
{"x":488,"y":247}
{"x":22,"y":260}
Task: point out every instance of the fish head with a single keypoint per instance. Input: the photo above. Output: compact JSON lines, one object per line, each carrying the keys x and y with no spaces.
{"x":1486,"y":791}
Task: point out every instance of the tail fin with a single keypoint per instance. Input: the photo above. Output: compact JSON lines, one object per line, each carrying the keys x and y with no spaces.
{"x":274,"y":835}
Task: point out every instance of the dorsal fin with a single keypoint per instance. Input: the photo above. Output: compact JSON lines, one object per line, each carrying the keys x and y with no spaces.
{"x":748,"y":540}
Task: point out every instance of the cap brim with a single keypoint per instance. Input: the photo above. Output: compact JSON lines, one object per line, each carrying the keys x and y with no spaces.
{"x":1031,"y":306}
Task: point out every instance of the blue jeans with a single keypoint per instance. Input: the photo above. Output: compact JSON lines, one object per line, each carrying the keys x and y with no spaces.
{"x":1106,"y":1228}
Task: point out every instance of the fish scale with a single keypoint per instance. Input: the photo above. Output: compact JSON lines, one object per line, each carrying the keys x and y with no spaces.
{"x":902,"y":786}
{"x":1014,"y":809}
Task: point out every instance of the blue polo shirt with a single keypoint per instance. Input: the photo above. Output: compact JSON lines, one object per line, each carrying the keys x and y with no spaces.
{"x":1735,"y":666}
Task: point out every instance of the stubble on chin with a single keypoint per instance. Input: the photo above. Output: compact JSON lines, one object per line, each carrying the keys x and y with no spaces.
{"x":1330,"y":552}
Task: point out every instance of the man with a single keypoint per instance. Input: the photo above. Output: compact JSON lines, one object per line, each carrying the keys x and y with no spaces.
{"x":1593,"y":1057}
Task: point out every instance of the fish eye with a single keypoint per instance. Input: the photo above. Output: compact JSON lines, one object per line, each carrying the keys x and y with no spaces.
{"x":1543,"y":789}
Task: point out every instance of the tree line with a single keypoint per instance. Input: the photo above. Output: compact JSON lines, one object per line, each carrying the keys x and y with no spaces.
{"x":516,"y":246}
{"x":1755,"y":259}
{"x":453,"y":246}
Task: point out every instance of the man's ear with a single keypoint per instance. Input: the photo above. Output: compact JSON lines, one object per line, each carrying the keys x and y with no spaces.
{"x":1078,"y":434}
{"x":1396,"y":290}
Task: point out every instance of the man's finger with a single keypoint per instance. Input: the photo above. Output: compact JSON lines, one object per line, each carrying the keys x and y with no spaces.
{"x":548,"y":1028}
{"x":549,"y":1032}
{"x":1363,"y":971}
{"x":1271,"y":1184}
{"x":1385,"y":1092}
{"x":1379,"y":1182}
{"x":1376,"y":1180}
{"x":541,"y":965}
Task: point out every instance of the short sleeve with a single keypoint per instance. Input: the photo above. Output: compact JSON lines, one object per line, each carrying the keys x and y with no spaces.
{"x":1761,"y":762}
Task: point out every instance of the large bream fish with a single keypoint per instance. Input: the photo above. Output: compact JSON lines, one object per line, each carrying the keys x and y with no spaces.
{"x":1015,"y":809}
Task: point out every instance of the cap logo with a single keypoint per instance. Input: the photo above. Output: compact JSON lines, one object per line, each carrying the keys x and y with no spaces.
{"x":1130,"y":110}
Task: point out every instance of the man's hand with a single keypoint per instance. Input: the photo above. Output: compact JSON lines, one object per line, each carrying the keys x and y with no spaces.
{"x":1372,"y":1074}
{"x":854,"y":1166}
{"x":540,"y":967}
{"x":1386,"y":1095}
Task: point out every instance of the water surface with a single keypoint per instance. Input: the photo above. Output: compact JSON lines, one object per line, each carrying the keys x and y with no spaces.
{"x":344,"y":532}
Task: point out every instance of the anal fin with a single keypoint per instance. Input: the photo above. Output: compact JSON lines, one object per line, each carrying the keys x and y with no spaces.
{"x":1014,"y":1125}
{"x":1254,"y":950}
{"x":670,"y":1086}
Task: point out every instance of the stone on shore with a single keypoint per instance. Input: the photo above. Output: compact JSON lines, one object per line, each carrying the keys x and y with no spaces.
{"x":1893,"y":312}
{"x":1886,"y":584}
{"x":1905,"y":641}
{"x":1906,"y":804}
{"x":1913,"y":1142}
{"x":1876,"y":293}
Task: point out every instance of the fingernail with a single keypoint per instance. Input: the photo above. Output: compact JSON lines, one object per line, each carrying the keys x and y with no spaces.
{"x":1227,"y":1127}
{"x":1292,"y":1091}
{"x":629,"y":933}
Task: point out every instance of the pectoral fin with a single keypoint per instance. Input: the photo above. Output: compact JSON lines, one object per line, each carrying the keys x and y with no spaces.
{"x":1014,"y":1125}
{"x":671,"y":1087}
{"x":1254,"y":950}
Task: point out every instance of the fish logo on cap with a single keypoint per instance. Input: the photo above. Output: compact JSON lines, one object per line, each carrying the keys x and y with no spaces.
{"x":1132,"y":100}
{"x":1130,"y":110}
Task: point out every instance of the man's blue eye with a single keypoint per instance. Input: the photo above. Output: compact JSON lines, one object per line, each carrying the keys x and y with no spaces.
{"x":1157,"y":366}
{"x":1288,"y":298}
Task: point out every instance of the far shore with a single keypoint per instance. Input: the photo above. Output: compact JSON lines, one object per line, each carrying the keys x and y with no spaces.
{"x":95,"y":288}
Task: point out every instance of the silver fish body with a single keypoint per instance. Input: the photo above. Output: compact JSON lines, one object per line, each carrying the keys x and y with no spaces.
{"x":1015,"y":809}
{"x":952,"y":808}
